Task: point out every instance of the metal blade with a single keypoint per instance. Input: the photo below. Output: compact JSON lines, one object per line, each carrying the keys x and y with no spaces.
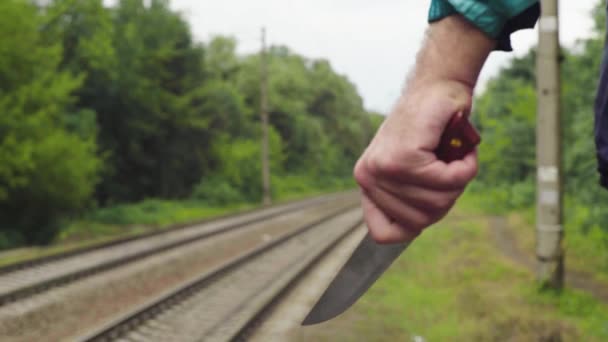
{"x":366,"y":264}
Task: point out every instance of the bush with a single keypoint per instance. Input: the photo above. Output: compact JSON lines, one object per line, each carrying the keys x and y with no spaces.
{"x":9,"y":239}
{"x":522,"y":195}
{"x":500,"y":198}
{"x":238,"y":178}
{"x":217,"y":191}
{"x":287,"y":186}
{"x":147,"y":212}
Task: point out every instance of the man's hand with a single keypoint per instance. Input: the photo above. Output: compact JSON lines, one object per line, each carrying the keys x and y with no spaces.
{"x":405,"y":187}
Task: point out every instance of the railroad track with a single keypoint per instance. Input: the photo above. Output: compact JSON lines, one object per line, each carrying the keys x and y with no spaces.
{"x":220,"y":304}
{"x":24,"y":280}
{"x":64,"y":310}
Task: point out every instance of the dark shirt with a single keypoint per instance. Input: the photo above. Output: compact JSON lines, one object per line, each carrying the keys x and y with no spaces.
{"x":601,"y":119}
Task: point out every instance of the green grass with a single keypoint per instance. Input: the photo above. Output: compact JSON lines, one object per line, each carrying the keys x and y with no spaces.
{"x":585,"y":244}
{"x":143,"y":216}
{"x":121,"y":221}
{"x":452,"y":284}
{"x":291,"y":187}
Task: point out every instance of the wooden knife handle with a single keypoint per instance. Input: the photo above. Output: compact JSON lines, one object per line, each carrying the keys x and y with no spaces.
{"x":458,"y":139}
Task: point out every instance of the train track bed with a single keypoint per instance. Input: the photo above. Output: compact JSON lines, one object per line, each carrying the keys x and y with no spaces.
{"x":219,"y":304}
{"x":282,"y":321}
{"x":245,"y":215}
{"x":70,"y":308}
{"x":37,"y":276}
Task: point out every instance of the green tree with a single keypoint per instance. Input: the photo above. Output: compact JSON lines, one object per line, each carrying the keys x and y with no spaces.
{"x":506,"y":116}
{"x":118,"y":103}
{"x":46,"y":171}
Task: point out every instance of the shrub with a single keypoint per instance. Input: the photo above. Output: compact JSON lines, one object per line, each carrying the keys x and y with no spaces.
{"x":217,"y":191}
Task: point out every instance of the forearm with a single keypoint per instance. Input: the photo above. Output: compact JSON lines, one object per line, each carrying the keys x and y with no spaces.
{"x":454,"y":50}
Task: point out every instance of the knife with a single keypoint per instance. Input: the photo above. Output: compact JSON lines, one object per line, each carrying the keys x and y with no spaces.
{"x":370,"y":260}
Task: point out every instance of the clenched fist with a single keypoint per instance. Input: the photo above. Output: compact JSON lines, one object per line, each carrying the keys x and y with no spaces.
{"x":405,"y":187}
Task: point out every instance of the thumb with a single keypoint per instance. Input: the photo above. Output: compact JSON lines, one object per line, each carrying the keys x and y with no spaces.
{"x":454,"y":175}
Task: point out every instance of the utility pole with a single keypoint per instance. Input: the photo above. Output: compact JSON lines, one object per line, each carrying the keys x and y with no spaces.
{"x":264,"y":119}
{"x":549,"y":229}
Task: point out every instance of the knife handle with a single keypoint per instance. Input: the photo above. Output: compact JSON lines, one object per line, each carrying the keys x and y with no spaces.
{"x":459,"y":139}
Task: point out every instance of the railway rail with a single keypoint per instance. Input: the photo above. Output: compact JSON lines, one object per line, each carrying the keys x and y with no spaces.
{"x":30,"y":278}
{"x":74,"y":295}
{"x":220,"y":304}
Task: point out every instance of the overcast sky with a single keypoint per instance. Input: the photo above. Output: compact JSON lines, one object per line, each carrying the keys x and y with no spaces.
{"x":372,"y":42}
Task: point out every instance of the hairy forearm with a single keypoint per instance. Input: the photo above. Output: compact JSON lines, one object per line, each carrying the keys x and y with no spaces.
{"x":454,"y":50}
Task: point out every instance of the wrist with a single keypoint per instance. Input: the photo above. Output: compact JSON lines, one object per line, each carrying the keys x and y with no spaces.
{"x":454,"y":50}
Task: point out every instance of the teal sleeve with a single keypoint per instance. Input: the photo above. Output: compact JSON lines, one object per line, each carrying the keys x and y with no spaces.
{"x":490,"y":16}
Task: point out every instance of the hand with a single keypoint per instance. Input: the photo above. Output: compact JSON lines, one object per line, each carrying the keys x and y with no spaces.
{"x":405,"y":188}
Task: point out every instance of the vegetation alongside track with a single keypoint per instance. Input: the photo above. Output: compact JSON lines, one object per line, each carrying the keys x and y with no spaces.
{"x":122,"y":221}
{"x":454,"y":284}
{"x":105,"y":105}
{"x":155,"y":213}
{"x":585,"y":246}
{"x":505,"y":114}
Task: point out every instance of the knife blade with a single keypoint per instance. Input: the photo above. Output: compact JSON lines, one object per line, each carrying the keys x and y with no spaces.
{"x":369,"y":260}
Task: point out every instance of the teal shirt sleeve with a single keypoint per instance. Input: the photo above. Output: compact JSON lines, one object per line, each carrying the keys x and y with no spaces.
{"x":493,"y":17}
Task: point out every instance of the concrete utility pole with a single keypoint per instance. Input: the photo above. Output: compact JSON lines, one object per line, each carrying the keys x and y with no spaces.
{"x":264,"y":119}
{"x":549,"y":229}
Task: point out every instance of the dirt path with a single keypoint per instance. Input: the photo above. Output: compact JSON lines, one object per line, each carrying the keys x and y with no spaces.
{"x":506,"y":242}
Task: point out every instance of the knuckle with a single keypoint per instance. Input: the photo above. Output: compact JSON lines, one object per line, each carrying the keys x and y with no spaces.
{"x":360,"y":173}
{"x":459,"y":180}
{"x":444,"y":202}
{"x":474,"y":171}
{"x":470,"y":173}
{"x":383,"y":163}
{"x":424,"y":222}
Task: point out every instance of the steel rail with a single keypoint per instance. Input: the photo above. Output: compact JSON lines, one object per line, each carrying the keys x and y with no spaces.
{"x":258,"y":216}
{"x":131,"y":321}
{"x":17,"y":266}
{"x":246,"y":330}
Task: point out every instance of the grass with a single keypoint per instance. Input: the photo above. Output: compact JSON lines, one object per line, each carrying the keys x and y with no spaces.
{"x":119,"y":222}
{"x":452,"y":284}
{"x":291,"y":187}
{"x":585,"y":250}
{"x":140,"y":217}
{"x":585,"y":245}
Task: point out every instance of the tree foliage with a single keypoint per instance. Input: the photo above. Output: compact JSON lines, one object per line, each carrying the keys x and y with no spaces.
{"x":506,"y":115}
{"x":104,"y":105}
{"x":47,"y":167}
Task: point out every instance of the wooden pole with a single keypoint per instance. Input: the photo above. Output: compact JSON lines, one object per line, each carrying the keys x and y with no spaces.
{"x":264,"y":119}
{"x":549,"y":229}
